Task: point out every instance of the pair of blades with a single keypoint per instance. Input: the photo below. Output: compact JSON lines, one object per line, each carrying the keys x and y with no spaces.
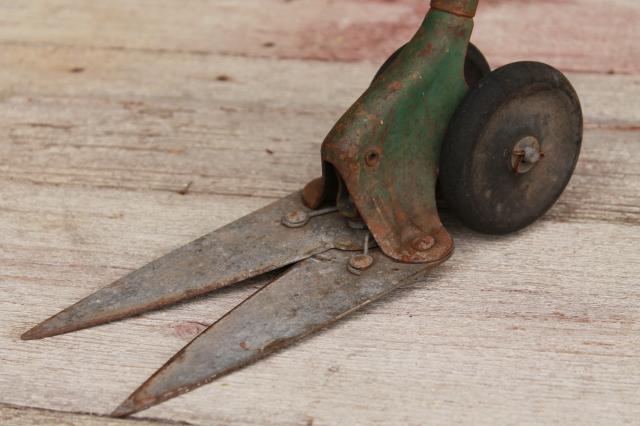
{"x":318,"y":290}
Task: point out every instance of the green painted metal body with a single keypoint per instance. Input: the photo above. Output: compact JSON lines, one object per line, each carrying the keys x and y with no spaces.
{"x":385,"y":149}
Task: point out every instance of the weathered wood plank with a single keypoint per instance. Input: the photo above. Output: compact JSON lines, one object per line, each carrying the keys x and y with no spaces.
{"x":580,"y":35}
{"x":68,"y":238}
{"x":22,"y":416}
{"x":256,"y":133}
{"x":539,"y":327}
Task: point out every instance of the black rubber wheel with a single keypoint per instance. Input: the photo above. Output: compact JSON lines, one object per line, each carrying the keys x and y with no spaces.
{"x":511,"y":148}
{"x":476,"y":66}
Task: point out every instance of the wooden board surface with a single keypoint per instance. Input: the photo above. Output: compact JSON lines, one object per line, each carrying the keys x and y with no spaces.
{"x":108,"y":111}
{"x":581,"y":35}
{"x":12,"y":415}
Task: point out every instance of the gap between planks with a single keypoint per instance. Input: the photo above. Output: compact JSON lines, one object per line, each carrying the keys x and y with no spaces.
{"x":15,"y":415}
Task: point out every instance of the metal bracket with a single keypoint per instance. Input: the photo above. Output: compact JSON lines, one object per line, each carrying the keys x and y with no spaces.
{"x":386,"y":147}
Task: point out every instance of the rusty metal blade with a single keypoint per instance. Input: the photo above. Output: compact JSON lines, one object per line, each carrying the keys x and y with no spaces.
{"x":250,"y":246}
{"x":309,"y":296}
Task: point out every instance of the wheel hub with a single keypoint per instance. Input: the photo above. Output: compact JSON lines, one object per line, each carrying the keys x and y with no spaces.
{"x":525,"y":155}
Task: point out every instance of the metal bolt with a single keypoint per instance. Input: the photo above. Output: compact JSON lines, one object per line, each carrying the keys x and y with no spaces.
{"x":359,"y":263}
{"x":295,"y":219}
{"x":423,"y":243}
{"x":531,"y":155}
{"x":526,"y":153}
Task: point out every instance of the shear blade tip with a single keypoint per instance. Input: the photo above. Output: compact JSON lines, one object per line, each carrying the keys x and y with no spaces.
{"x":124,"y":409}
{"x":44,"y":329}
{"x":33,"y":334}
{"x":53,"y":326}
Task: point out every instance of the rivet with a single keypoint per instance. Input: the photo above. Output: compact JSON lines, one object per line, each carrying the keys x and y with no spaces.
{"x":359,"y":263}
{"x":423,"y":243}
{"x":295,"y":219}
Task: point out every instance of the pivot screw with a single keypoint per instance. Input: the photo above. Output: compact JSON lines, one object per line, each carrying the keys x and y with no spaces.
{"x":295,"y":219}
{"x":359,"y":263}
{"x":423,"y":243}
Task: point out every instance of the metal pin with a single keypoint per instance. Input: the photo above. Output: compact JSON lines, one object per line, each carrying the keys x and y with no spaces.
{"x":299,"y":218}
{"x":361,"y":262}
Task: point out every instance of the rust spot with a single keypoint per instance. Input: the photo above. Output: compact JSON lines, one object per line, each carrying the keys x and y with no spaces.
{"x":395,"y":86}
{"x":76,"y":70}
{"x":245,"y":346}
{"x":313,"y":193}
{"x":269,"y":151}
{"x":188,"y":330}
{"x":462,"y":8}
{"x":224,"y":77}
{"x":427,"y":51}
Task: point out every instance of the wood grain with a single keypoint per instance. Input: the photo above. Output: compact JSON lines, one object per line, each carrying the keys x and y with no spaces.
{"x":541,"y":325}
{"x":579,"y":35}
{"x":266,"y":119}
{"x":129,"y":129}
{"x":20,"y":416}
